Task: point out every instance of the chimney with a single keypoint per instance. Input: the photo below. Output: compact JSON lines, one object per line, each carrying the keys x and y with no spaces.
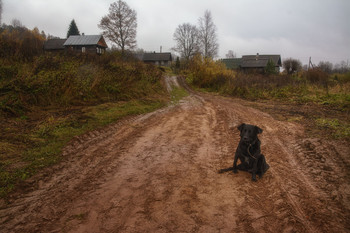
{"x":160,"y":49}
{"x":257,"y":56}
{"x":83,"y":34}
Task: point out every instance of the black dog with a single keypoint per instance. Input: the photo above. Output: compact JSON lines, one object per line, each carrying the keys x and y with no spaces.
{"x":248,"y":152}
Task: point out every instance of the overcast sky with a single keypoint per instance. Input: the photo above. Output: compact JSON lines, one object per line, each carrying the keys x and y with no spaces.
{"x":291,"y":28}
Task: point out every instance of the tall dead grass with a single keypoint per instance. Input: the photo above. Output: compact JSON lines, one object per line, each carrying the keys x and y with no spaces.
{"x":66,"y":80}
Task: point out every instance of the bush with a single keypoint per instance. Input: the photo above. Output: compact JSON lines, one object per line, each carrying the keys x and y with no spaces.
{"x":207,"y":73}
{"x":63,"y":80}
{"x":20,"y":43}
{"x":317,"y":76}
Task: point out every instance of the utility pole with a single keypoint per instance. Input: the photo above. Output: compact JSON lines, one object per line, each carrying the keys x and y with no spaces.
{"x":310,"y":64}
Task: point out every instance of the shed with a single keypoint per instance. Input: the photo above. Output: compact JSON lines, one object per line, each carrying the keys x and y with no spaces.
{"x":86,"y":44}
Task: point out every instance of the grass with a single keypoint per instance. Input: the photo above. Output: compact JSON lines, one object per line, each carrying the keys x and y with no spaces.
{"x":177,"y":94}
{"x":339,"y":130}
{"x":43,"y":144}
{"x":314,"y":87}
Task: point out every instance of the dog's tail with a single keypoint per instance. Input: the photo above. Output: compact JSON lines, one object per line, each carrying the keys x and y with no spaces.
{"x":225,"y":170}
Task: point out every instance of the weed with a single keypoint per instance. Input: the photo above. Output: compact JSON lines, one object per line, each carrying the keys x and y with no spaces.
{"x":339,"y":130}
{"x":38,"y":95}
{"x":177,"y":93}
{"x":52,"y":134}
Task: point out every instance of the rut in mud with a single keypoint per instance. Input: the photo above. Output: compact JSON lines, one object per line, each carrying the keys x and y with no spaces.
{"x":158,"y":173}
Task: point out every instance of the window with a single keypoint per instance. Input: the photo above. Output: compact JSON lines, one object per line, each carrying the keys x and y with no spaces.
{"x":83,"y":49}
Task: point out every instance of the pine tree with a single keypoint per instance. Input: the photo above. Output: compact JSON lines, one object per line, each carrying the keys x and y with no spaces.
{"x":73,"y":29}
{"x":270,"y":67}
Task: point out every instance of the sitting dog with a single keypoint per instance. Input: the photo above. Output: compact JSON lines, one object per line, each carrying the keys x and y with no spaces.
{"x":248,"y":152}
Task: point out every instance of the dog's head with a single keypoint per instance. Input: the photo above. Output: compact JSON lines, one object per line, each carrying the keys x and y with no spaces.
{"x":249,"y":133}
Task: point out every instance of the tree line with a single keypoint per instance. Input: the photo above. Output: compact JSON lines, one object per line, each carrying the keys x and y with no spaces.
{"x":120,"y":27}
{"x":191,"y":39}
{"x":292,"y":65}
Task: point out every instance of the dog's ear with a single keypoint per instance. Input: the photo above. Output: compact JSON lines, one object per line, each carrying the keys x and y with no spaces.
{"x":240,"y":127}
{"x":258,"y":130}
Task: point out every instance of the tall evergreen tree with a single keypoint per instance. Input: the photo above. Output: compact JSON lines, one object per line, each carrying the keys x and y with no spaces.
{"x":73,"y":29}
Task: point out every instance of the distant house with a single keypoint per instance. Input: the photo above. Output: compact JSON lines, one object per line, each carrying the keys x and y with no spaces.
{"x":252,"y":63}
{"x":257,"y":63}
{"x":54,"y":45}
{"x":86,"y":44}
{"x":160,"y":59}
{"x":232,"y":63}
{"x":94,"y":44}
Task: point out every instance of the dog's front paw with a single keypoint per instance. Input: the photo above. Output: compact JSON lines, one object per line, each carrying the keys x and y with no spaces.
{"x":254,"y":179}
{"x":235,"y":171}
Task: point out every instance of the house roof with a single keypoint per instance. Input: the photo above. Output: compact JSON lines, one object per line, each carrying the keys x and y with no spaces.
{"x":86,"y":40}
{"x":258,"y":61}
{"x":157,"y":57}
{"x":232,"y":63}
{"x":54,"y":44}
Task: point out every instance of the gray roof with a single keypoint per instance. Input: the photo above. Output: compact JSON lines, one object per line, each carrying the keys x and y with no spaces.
{"x":259,"y":61}
{"x":54,"y":44}
{"x":157,"y":57}
{"x":232,"y":63}
{"x":83,"y":40}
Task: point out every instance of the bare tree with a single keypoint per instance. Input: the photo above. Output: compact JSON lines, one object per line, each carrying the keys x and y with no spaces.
{"x":326,"y":66}
{"x":119,"y":26}
{"x":292,"y":65}
{"x":342,"y":67}
{"x":186,"y":37}
{"x":208,"y":36}
{"x":231,"y":54}
{"x":16,"y":23}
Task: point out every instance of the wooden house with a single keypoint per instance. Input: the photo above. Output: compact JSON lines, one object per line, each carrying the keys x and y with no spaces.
{"x":257,"y":63}
{"x":232,"y":63}
{"x":94,"y":44}
{"x":54,"y":45}
{"x":159,"y":59}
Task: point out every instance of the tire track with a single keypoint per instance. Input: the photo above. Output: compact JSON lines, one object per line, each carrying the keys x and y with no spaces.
{"x":158,"y":173}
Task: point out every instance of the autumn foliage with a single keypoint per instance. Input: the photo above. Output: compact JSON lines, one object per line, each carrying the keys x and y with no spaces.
{"x":204,"y":72}
{"x":30,"y":78}
{"x":20,"y":42}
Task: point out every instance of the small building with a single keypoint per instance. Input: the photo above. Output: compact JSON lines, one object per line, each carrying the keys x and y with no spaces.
{"x":232,"y":63}
{"x":94,"y":44}
{"x":257,"y":63}
{"x":159,"y":59}
{"x":54,"y":45}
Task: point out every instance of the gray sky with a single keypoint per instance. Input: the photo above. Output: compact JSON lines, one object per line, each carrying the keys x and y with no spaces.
{"x":292,"y":28}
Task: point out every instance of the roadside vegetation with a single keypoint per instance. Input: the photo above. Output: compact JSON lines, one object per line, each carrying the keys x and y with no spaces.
{"x":329,"y":92}
{"x":47,"y":99}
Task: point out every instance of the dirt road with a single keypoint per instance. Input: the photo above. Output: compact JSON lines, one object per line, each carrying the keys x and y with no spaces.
{"x":158,"y":173}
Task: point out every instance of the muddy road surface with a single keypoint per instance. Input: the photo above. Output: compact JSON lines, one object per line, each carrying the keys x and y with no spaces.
{"x":159,"y":173}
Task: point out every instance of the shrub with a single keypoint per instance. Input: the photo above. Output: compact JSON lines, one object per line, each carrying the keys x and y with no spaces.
{"x":316,"y":76}
{"x":63,"y":80}
{"x":206,"y":73}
